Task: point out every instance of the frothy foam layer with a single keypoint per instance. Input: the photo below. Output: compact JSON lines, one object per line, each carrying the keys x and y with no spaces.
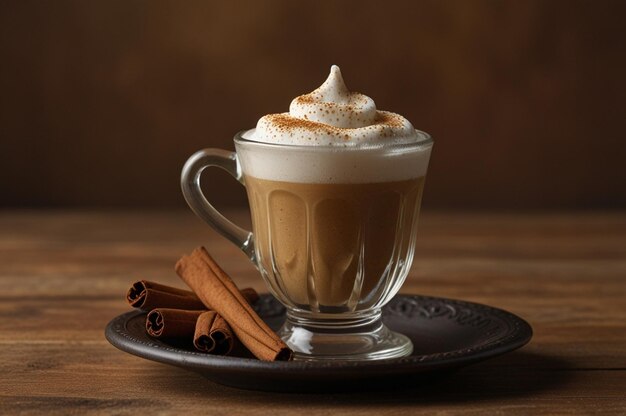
{"x":311,"y":164}
{"x":333,"y":116}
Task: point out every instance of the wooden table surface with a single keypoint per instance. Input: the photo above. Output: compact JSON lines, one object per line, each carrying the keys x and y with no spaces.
{"x":64,"y":275}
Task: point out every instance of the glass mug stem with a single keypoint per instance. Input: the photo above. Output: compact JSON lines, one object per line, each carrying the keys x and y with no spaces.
{"x":190,"y":184}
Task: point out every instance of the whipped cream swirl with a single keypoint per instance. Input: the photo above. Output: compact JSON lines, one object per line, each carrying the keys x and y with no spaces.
{"x":333,"y":116}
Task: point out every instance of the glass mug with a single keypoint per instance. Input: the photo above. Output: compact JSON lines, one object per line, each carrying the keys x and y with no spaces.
{"x":334,"y":232}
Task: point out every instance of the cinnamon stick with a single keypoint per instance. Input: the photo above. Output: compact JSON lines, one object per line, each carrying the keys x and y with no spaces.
{"x":147,"y":295}
{"x":219,"y":293}
{"x":171,"y":323}
{"x":208,"y":330}
{"x":213,"y":334}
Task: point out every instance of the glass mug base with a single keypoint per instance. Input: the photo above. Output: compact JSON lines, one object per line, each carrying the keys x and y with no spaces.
{"x":361,"y":338}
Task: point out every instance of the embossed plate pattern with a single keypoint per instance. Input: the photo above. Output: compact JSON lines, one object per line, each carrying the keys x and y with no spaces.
{"x":447,"y":334}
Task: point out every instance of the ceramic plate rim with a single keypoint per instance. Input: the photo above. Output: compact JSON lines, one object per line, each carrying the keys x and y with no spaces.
{"x":118,"y":335}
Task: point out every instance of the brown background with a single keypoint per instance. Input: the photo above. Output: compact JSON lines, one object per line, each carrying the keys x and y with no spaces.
{"x":101,"y":102}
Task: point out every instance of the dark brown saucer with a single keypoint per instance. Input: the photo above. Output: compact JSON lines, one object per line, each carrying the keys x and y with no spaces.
{"x":447,"y":334}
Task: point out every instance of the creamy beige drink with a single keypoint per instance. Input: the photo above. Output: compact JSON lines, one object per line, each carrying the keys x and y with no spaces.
{"x":332,"y":227}
{"x":333,"y":244}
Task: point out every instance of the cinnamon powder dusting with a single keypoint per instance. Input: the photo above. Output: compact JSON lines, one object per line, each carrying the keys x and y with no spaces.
{"x":285,"y":122}
{"x":388,"y":119}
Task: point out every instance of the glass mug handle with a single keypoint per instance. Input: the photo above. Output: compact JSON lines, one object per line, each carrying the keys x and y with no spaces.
{"x":190,"y":184}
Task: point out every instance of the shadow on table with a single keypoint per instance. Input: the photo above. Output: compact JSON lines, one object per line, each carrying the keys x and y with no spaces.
{"x":515,"y":375}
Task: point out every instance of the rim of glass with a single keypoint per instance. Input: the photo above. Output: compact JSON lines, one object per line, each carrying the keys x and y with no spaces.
{"x":424,"y":141}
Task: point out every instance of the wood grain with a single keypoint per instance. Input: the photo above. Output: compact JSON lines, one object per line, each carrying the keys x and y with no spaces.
{"x":63,"y":276}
